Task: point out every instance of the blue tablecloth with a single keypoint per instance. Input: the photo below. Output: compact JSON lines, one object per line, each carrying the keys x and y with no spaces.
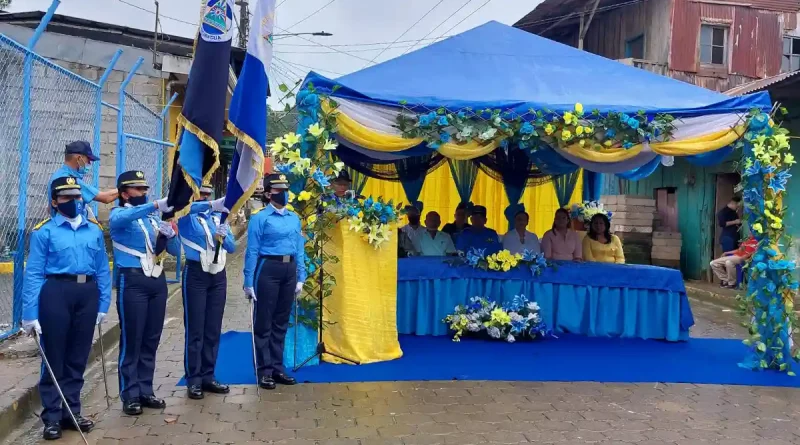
{"x":595,"y":299}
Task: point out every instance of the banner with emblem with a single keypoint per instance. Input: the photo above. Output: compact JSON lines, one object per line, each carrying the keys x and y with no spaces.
{"x":203,"y":117}
{"x":248,"y":111}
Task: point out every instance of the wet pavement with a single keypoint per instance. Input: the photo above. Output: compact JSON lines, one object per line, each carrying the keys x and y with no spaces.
{"x":459,"y":413}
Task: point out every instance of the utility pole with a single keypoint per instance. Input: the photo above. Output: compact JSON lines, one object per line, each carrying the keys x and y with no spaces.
{"x":244,"y":22}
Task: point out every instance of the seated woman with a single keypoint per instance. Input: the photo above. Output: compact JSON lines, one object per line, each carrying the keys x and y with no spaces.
{"x":600,"y":245}
{"x":561,"y":242}
{"x":518,"y":240}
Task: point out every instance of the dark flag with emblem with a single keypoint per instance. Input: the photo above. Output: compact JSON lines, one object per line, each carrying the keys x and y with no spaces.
{"x":203,"y":117}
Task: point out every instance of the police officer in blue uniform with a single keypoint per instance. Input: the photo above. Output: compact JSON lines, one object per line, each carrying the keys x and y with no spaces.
{"x":204,"y":291}
{"x":77,"y":158}
{"x":274,"y":273}
{"x":141,"y":288}
{"x":66,"y":291}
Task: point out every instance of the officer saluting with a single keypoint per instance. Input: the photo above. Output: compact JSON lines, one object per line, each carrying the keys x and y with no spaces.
{"x":204,"y":291}
{"x":141,"y":288}
{"x":274,"y":272}
{"x":67,"y":290}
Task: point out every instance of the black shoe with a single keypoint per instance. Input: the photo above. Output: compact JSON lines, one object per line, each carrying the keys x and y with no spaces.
{"x":266,"y":383}
{"x":52,"y":431}
{"x":283,"y":379}
{"x":195,"y":392}
{"x":132,"y":407}
{"x":216,"y":387}
{"x":152,"y":402}
{"x":85,"y":424}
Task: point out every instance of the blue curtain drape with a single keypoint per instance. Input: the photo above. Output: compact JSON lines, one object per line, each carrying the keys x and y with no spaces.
{"x":412,"y":172}
{"x":641,"y":172}
{"x":465,"y":173}
{"x":592,"y":185}
{"x":565,"y":185}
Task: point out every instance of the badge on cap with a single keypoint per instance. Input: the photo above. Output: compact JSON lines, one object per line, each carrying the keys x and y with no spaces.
{"x":139,"y":175}
{"x":282,"y":177}
{"x":70,"y":180}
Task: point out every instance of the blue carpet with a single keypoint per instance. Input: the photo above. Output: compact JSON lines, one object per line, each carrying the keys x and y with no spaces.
{"x":568,"y":358}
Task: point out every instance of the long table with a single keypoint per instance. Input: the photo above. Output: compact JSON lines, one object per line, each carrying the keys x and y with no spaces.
{"x":596,"y":299}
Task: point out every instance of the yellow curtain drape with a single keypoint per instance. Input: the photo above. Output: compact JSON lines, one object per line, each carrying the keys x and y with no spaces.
{"x":439,"y":193}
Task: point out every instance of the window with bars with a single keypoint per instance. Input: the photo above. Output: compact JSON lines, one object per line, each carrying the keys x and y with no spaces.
{"x":791,"y":54}
{"x":713,"y":45}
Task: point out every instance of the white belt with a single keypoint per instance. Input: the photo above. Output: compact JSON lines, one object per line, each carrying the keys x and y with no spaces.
{"x":147,"y":260}
{"x":207,"y":257}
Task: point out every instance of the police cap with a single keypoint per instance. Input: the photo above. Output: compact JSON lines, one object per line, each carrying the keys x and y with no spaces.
{"x":65,"y":186}
{"x":207,"y":188}
{"x":343,"y":176}
{"x":131,"y":178}
{"x":80,"y":148}
{"x":276,"y":181}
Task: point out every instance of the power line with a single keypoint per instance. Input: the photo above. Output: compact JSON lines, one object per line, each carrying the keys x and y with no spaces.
{"x":404,"y":33}
{"x":363,"y":50}
{"x":358,"y":44}
{"x":310,"y":15}
{"x":154,"y":13}
{"x":309,"y":67}
{"x":465,"y":18}
{"x":437,"y":26}
{"x":327,"y":46}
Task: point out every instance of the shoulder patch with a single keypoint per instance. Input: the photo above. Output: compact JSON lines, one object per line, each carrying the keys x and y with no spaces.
{"x":39,"y":226}
{"x":94,"y":221}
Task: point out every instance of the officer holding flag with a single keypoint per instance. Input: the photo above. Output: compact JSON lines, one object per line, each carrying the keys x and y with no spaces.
{"x":66,"y":291}
{"x":204,"y":291}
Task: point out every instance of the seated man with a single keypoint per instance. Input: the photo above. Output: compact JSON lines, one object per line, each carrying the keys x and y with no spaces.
{"x":724,"y":267}
{"x":433,"y":242}
{"x":479,"y":236}
{"x":411,"y":232}
{"x":459,"y":223}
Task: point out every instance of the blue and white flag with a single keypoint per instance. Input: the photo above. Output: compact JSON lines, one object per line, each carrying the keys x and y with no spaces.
{"x":248,"y":110}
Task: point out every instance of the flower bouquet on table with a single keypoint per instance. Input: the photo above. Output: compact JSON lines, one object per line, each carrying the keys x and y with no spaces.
{"x":519,"y":320}
{"x":582,"y":213}
{"x":373,"y":218}
{"x":502,"y":261}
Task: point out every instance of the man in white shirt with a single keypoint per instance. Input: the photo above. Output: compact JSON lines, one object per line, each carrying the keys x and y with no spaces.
{"x":519,"y":239}
{"x":411,"y":233}
{"x":432,"y":242}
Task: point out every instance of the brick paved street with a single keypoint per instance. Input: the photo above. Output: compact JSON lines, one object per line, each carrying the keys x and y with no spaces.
{"x":461,"y":413}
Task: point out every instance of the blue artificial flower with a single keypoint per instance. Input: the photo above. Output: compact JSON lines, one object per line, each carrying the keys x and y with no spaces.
{"x":444,"y":136}
{"x":474,"y":256}
{"x":627,"y":145}
{"x":388,"y":211}
{"x":462,"y":115}
{"x":610,"y":133}
{"x":434,"y":145}
{"x":541,"y":260}
{"x":311,"y":268}
{"x":528,"y":255}
{"x":526,"y":128}
{"x":424,"y":120}
{"x":384,"y":220}
{"x":657,"y":132}
{"x":752,"y":195}
{"x":368,"y":202}
{"x":754,"y":169}
{"x":768,"y":169}
{"x":758,"y":257}
{"x":794,"y":285}
{"x":778,"y":182}
{"x":352,"y":211}
{"x":761,"y":266}
{"x":443,"y":121}
{"x":320,"y":178}
{"x":771,"y":287}
{"x":285,"y":169}
{"x":624,"y":118}
{"x":759,"y":122}
{"x":633,"y":123}
{"x":378,"y":207}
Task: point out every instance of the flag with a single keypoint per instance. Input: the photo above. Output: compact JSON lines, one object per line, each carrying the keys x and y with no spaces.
{"x":248,"y":111}
{"x":203,"y":117}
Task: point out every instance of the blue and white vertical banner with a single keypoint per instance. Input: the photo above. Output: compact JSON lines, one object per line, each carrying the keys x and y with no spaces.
{"x":248,"y":111}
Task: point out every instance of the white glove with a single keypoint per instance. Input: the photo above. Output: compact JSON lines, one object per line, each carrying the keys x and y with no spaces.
{"x":165,"y":228}
{"x":218,"y":205}
{"x":298,"y":288}
{"x":162,"y":205}
{"x":223,"y":229}
{"x":29,"y":326}
{"x":100,"y":317}
{"x":250,"y":293}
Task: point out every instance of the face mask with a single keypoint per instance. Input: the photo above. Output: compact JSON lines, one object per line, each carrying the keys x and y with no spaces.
{"x":138,"y":200}
{"x":71,"y":208}
{"x":280,"y":198}
{"x":82,"y":168}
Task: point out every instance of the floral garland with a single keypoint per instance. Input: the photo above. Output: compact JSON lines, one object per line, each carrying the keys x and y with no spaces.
{"x":587,"y":209}
{"x":372,"y":218}
{"x":518,"y":320}
{"x":502,"y":261}
{"x":595,"y":130}
{"x":768,"y":305}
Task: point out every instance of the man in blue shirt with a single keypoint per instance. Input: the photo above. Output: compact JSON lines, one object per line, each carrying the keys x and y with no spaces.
{"x":274,"y":273}
{"x":77,"y":158}
{"x":479,"y":236}
{"x":66,"y":291}
{"x":204,"y":291}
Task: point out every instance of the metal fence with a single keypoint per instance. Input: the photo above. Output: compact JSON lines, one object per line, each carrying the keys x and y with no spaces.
{"x":42,"y":107}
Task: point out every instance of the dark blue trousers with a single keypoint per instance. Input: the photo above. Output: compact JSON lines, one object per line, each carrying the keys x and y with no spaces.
{"x":203,"y":308}
{"x":141,"y":304}
{"x":274,"y":286}
{"x":67,"y":313}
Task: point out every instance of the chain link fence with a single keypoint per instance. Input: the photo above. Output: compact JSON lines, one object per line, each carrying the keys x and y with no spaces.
{"x":141,"y":121}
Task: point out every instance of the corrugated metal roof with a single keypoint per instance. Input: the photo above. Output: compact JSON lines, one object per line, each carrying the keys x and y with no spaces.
{"x":758,"y":85}
{"x":553,"y":13}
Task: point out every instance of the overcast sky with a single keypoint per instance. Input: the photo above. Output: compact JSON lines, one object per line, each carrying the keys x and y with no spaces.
{"x":362,"y":29}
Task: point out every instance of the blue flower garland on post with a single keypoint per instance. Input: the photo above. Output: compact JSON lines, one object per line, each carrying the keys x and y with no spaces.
{"x":768,"y":304}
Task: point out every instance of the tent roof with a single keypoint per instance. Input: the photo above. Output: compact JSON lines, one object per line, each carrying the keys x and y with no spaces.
{"x":498,"y":66}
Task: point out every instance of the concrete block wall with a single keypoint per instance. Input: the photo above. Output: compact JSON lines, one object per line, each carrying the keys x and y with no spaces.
{"x":632,"y":221}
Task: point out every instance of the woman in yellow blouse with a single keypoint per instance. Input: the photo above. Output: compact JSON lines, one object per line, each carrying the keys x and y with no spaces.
{"x":599,"y":244}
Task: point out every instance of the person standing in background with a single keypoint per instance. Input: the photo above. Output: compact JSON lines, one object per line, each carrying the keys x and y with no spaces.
{"x":729,"y":221}
{"x":459,"y":223}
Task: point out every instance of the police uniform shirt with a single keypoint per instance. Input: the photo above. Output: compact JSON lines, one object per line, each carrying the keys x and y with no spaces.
{"x":56,"y":248}
{"x":274,"y":232}
{"x":126,"y":231}
{"x":190,"y":229}
{"x":485,"y":238}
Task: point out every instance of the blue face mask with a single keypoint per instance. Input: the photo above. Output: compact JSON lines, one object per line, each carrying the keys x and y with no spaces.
{"x":137,"y":200}
{"x":82,"y":168}
{"x":71,"y":208}
{"x":280,"y":198}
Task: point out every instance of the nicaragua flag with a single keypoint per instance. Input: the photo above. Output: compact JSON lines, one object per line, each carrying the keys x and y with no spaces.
{"x":203,"y":117}
{"x":248,"y":111}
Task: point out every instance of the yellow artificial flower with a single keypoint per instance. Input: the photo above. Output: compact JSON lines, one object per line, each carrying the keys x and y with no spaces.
{"x":304,"y":196}
{"x":506,"y":267}
{"x":291,"y":139}
{"x":290,"y":207}
{"x":608,"y":143}
{"x":292,"y":196}
{"x":588,"y":130}
{"x":566,"y":135}
{"x":582,"y":142}
{"x":277,"y":147}
{"x":549,"y":129}
{"x":788,"y":159}
{"x":757,"y":227}
{"x":776,"y":225}
{"x":338,"y":166}
{"x":311,"y":219}
{"x":330,"y":145}
{"x":579,"y":108}
{"x":568,"y":117}
{"x":781,"y":140}
{"x":500,"y":316}
{"x":579,"y":130}
{"x":315,"y":130}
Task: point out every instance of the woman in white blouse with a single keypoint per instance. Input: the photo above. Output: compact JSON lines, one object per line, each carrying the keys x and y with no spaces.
{"x":519,"y":239}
